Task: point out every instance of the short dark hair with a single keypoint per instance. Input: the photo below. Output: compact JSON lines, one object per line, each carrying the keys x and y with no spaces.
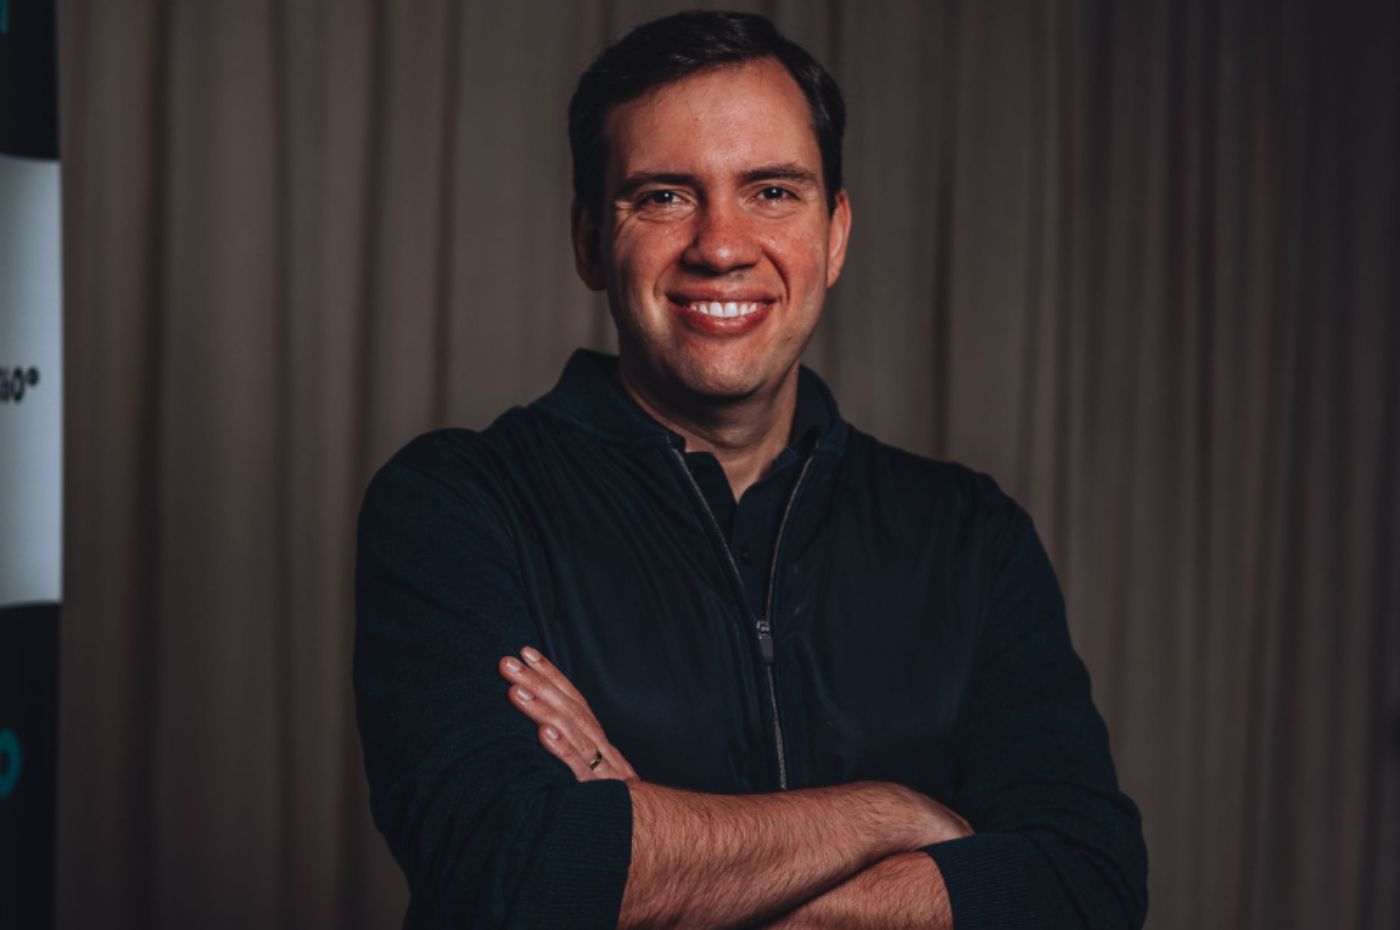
{"x":673,"y":47}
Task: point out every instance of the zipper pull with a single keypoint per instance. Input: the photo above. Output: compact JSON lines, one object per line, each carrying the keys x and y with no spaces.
{"x":765,"y":641}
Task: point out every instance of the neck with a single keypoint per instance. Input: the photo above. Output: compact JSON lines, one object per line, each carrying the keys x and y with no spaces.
{"x":745,"y":436}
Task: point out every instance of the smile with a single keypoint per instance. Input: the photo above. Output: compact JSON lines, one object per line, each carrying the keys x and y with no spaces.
{"x":726,"y":309}
{"x":722,"y":318}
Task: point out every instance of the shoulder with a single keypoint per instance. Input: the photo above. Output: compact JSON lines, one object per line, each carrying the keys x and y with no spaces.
{"x":446,"y":473}
{"x":461,"y":462}
{"x":445,"y":463}
{"x":928,"y":488}
{"x":480,"y":476}
{"x":444,"y":453}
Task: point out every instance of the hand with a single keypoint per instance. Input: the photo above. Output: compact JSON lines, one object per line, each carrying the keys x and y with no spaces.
{"x":540,"y":691}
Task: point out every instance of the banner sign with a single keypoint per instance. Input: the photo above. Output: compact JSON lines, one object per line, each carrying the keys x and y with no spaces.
{"x":31,"y":383}
{"x":31,"y":459}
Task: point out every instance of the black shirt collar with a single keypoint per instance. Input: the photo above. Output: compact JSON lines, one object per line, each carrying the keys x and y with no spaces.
{"x":812,"y":417}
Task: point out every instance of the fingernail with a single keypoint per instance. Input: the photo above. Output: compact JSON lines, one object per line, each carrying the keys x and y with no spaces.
{"x":513,"y":665}
{"x":530,"y":654}
{"x":551,"y":732}
{"x":524,"y":695}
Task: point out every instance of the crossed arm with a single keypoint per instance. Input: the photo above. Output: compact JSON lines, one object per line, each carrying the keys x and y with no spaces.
{"x":485,"y":828}
{"x":845,"y":856}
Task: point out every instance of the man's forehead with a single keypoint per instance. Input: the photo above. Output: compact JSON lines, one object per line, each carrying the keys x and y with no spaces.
{"x":732,"y":118}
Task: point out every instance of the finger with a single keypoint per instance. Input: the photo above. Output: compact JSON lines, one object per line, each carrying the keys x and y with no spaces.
{"x":547,"y":716}
{"x":528,"y":703}
{"x":535,"y":695}
{"x":580,"y":738}
{"x":571,"y":714}
{"x":550,"y":671}
{"x":577,"y":754}
{"x":517,"y":672}
{"x":562,"y":749}
{"x":513,"y":669}
{"x":577,"y":757}
{"x":573,"y":743}
{"x":529,"y":693}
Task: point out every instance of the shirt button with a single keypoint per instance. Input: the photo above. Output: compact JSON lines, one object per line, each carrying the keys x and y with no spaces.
{"x":744,"y":557}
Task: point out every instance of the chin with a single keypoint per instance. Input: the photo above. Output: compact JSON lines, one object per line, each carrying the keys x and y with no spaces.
{"x":682,"y":371}
{"x":722,"y":384}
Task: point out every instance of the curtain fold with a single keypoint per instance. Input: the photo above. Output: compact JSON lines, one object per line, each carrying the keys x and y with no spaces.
{"x":1136,"y":261}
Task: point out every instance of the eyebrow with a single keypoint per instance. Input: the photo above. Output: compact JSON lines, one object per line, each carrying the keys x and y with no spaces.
{"x":787,"y":171}
{"x":784,"y":171}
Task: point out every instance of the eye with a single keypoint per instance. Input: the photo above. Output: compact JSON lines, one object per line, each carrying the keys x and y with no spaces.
{"x":776,"y":200}
{"x":661,"y":204}
{"x":661,"y":198}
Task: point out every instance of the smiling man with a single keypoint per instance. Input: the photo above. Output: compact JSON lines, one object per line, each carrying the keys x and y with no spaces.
{"x":676,"y":645}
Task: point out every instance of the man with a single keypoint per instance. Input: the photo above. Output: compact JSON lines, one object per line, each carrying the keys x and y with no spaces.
{"x":775,"y":673}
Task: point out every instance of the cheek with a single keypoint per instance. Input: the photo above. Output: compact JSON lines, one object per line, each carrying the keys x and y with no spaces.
{"x":802,"y":261}
{"x":641,"y":253}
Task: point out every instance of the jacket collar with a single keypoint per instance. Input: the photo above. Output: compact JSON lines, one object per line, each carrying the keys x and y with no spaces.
{"x":589,"y":395}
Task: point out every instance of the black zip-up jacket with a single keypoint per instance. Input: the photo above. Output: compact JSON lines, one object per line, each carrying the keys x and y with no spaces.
{"x":914,"y":633}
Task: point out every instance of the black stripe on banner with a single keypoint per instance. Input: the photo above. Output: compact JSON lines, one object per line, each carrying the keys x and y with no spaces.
{"x":28,"y":742}
{"x":28,"y":79}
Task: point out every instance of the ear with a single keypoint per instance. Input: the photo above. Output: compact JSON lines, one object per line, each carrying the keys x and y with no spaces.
{"x":838,"y":233}
{"x":588,"y":257}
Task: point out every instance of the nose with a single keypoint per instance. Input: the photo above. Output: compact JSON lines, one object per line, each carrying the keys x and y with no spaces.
{"x":723,"y":241}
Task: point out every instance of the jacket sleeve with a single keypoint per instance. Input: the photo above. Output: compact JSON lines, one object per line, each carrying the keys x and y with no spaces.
{"x":489,"y":828}
{"x":1057,"y":844}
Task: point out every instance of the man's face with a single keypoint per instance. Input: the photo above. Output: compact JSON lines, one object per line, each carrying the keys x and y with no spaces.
{"x":715,"y":245}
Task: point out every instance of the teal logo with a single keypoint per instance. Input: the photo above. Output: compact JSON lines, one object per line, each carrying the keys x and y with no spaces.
{"x":4,"y":16}
{"x":9,"y":756}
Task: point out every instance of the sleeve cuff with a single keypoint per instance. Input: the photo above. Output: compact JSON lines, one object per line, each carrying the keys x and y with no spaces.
{"x":588,"y":854}
{"x":998,"y":880}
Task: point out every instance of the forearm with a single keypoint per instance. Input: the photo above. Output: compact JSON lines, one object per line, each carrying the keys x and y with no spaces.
{"x":900,"y":892}
{"x":708,"y":860}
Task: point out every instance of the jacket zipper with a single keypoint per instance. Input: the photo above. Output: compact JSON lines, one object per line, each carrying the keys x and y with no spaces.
{"x":762,"y":625}
{"x":765,"y":630}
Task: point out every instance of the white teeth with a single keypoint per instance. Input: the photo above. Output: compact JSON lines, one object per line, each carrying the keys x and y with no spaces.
{"x":726,"y":309}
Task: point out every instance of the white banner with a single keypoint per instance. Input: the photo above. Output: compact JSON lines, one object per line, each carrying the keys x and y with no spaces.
{"x":31,"y":383}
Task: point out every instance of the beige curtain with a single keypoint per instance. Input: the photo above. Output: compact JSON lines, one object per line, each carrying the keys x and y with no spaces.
{"x":1137,"y":261}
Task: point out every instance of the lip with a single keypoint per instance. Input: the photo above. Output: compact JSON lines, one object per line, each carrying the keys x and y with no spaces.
{"x":728,"y":327}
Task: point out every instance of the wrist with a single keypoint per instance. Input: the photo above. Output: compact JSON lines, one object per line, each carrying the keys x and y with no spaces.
{"x":913,"y":820}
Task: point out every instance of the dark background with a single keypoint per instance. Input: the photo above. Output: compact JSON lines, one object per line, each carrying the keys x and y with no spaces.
{"x":1136,"y":260}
